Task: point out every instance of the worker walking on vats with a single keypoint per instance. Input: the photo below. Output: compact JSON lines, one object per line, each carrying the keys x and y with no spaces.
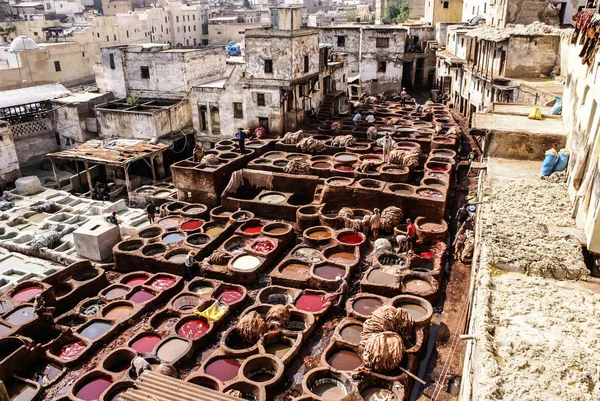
{"x":198,"y":153}
{"x":139,"y":365}
{"x":43,"y":311}
{"x":112,"y":218}
{"x":150,"y":211}
{"x":411,"y":234}
{"x":403,"y":97}
{"x":357,"y":119}
{"x":241,"y":137}
{"x":472,"y":156}
{"x":375,"y":223}
{"x":461,"y":216}
{"x":370,"y":119}
{"x":190,"y":261}
{"x":386,"y":144}
{"x":335,"y":298}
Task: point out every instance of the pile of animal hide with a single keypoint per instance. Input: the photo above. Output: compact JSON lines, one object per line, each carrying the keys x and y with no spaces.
{"x":372,"y":133}
{"x":391,"y":217}
{"x":343,"y":140}
{"x":382,"y":244}
{"x":297,"y":166}
{"x":251,"y":327}
{"x":337,"y":126}
{"x":210,"y":160}
{"x":292,"y":138}
{"x":49,"y":239}
{"x":6,"y":205}
{"x":218,"y":258}
{"x":403,"y":157}
{"x":388,"y":318}
{"x":311,"y":145}
{"x":346,"y":213}
{"x":278,"y":317}
{"x":260,"y":133}
{"x":45,"y":207}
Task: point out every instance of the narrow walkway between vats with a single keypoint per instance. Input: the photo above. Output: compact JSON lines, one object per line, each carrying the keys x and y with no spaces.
{"x":533,"y":337}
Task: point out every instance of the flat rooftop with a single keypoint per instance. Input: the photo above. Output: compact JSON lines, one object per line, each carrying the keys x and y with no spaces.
{"x":518,"y":123}
{"x":543,"y":84}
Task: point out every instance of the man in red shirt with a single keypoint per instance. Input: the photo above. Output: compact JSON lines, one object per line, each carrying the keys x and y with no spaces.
{"x":411,"y":232}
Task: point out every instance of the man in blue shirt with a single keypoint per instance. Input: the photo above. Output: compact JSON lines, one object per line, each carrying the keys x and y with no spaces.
{"x":241,"y":137}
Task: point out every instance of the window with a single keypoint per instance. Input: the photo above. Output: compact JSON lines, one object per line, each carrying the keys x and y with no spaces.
{"x":381,"y":66}
{"x":83,"y":54}
{"x":35,"y":33}
{"x":111,"y":59}
{"x":115,"y":37}
{"x":382,"y":42}
{"x":194,"y":17}
{"x":145,"y":70}
{"x":263,"y":122}
{"x":127,"y":32}
{"x":445,"y":4}
{"x":57,"y":66}
{"x":341,"y":41}
{"x":194,"y":28}
{"x":462,"y":42}
{"x":484,"y":8}
{"x":268,"y":66}
{"x":194,"y":41}
{"x":260,"y":99}
{"x":306,"y":63}
{"x":98,"y":34}
{"x":47,"y":6}
{"x":177,"y":18}
{"x":177,"y":29}
{"x":184,"y":29}
{"x":107,"y":38}
{"x":165,"y":20}
{"x":238,"y":112}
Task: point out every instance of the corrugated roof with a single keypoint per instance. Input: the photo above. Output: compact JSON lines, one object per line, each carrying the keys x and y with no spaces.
{"x":153,"y":386}
{"x":18,"y":97}
{"x":114,"y":151}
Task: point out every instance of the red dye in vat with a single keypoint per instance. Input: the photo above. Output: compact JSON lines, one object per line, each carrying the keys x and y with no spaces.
{"x":141,"y":296}
{"x":230,"y":296}
{"x":193,"y":329}
{"x":263,"y":246}
{"x":223,"y":369}
{"x":71,"y":350}
{"x":93,"y":389}
{"x":379,"y":152}
{"x":136,"y":281}
{"x":344,"y":168}
{"x":146,"y":343}
{"x":162,"y":283}
{"x":427,"y":255}
{"x":350,"y":239}
{"x":253,"y":229}
{"x":27,"y":293}
{"x":439,"y":168}
{"x":192,"y":225}
{"x":310,"y":303}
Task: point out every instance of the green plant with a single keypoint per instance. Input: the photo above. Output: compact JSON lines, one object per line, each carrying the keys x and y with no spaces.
{"x":6,"y":29}
{"x":396,"y":12}
{"x":131,"y":100}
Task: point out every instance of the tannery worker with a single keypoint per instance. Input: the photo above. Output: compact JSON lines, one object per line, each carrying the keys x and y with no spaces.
{"x":139,"y":365}
{"x":190,"y":261}
{"x":113,"y":219}
{"x":198,"y":154}
{"x":375,"y":223}
{"x":357,"y":119}
{"x":461,"y":216}
{"x":241,"y":137}
{"x":150,"y":211}
{"x":403,"y":96}
{"x":386,"y":144}
{"x":411,"y":233}
{"x":43,"y":311}
{"x":370,"y":119}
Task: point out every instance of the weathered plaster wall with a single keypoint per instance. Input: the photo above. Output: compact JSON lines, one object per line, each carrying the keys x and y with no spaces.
{"x":9,"y":163}
{"x":528,"y":11}
{"x":529,"y":56}
{"x":31,"y":149}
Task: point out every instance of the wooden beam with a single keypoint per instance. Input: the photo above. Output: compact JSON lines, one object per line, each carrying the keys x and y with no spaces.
{"x":55,"y":173}
{"x":89,"y":177}
{"x":152,"y":168}
{"x":127,"y":180}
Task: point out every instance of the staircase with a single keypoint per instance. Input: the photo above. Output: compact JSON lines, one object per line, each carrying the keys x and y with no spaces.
{"x":326,"y":109}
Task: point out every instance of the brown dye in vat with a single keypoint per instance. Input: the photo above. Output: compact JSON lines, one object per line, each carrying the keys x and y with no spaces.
{"x":119,"y":312}
{"x":378,"y":277}
{"x":377,"y":394}
{"x":262,"y":376}
{"x":172,"y":349}
{"x":344,"y":258}
{"x":431,"y":227}
{"x":214,"y":230}
{"x":417,"y":285}
{"x":351,"y":333}
{"x":415,"y":310}
{"x":319,"y":234}
{"x":278,"y":349}
{"x":330,"y":272}
{"x":177,"y":258}
{"x":115,"y":293}
{"x":366,"y":306}
{"x":278,"y":230}
{"x":296,"y":270}
{"x":329,"y":389}
{"x":344,"y":359}
{"x":321,"y":165}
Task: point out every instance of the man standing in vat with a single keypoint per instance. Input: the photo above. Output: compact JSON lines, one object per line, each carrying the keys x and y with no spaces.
{"x":241,"y":137}
{"x":150,"y":211}
{"x":386,"y":144}
{"x":411,"y":233}
{"x":190,"y":261}
{"x":43,"y":311}
{"x":375,"y":223}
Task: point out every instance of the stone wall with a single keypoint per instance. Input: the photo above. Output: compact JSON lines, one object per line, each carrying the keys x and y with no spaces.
{"x":9,"y":163}
{"x":532,"y":56}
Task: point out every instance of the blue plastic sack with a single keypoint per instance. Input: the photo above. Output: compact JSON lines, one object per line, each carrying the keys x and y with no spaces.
{"x":556,"y":109}
{"x":548,"y":164}
{"x":562,"y":162}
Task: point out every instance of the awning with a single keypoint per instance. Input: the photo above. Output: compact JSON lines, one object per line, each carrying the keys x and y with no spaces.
{"x":34,"y":94}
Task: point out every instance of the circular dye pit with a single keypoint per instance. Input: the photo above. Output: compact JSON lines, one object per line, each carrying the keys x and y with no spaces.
{"x":309,"y":255}
{"x":245,"y":262}
{"x":310,"y":303}
{"x":329,"y":389}
{"x":193,"y":329}
{"x":263,"y":246}
{"x":330,"y":272}
{"x":366,"y":306}
{"x":27,"y":293}
{"x":141,"y":296}
{"x":47,"y":374}
{"x":351,"y":333}
{"x":432,"y":227}
{"x":70,"y":351}
{"x":319,"y":234}
{"x":20,"y":316}
{"x":296,"y":270}
{"x":346,"y":158}
{"x":344,"y":359}
{"x":145,"y":343}
{"x":438,"y":168}
{"x":5,"y":306}
{"x":323,"y":165}
{"x":115,"y":293}
{"x":213,"y":231}
{"x":278,"y":349}
{"x":350,"y":239}
{"x":427,"y":255}
{"x":253,"y":229}
{"x":342,"y":167}
{"x":277,"y":230}
{"x":376,"y":276}
{"x":429,"y":193}
{"x":230,"y":295}
{"x":118,"y":312}
{"x":415,"y":310}
{"x":90,"y":308}
{"x":162,"y":283}
{"x":201,"y":289}
{"x":95,"y":330}
{"x":167,"y":323}
{"x":261,"y":376}
{"x":344,"y":258}
{"x":177,"y":257}
{"x":172,"y":349}
{"x":223,"y":369}
{"x":192,"y":225}
{"x":173,"y":238}
{"x":92,"y":390}
{"x":377,"y":394}
{"x":169,"y":223}
{"x":132,"y":282}
{"x":417,"y":285}
{"x":272,"y":198}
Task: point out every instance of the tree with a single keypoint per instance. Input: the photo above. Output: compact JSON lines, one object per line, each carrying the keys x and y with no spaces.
{"x":396,"y":12}
{"x":247,"y":4}
{"x":352,"y":15}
